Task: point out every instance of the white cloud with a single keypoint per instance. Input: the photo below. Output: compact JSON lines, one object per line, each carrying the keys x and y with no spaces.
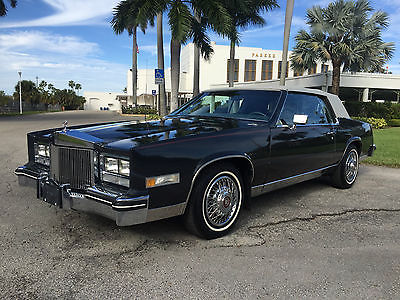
{"x":71,"y":12}
{"x":46,"y":42}
{"x":152,"y":49}
{"x":56,"y":59}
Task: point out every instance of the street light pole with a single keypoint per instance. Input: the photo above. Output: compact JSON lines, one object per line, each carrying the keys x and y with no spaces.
{"x":286,"y":35}
{"x":20,"y":93}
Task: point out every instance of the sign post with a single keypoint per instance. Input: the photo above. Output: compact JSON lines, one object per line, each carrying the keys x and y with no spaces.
{"x":154,"y":93}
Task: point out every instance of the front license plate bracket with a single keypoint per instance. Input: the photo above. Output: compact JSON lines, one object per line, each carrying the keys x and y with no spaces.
{"x":51,"y":194}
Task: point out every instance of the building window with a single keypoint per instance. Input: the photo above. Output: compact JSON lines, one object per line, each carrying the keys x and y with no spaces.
{"x":236,"y":74}
{"x":280,"y":68}
{"x":267,"y":68}
{"x":324,"y":68}
{"x":312,"y":70}
{"x":250,"y":70}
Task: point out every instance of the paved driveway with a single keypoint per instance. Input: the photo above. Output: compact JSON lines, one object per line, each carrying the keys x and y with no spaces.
{"x":306,"y":241}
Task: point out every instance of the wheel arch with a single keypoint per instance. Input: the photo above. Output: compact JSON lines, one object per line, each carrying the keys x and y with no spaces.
{"x":240,"y":161}
{"x":356,"y":141}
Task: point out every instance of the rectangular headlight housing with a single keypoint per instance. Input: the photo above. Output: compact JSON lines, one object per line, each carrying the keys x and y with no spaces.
{"x":42,"y":153}
{"x":162,"y":180}
{"x":115,"y":170}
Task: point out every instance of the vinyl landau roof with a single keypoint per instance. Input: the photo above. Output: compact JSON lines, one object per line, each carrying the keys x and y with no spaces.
{"x":334,"y":100}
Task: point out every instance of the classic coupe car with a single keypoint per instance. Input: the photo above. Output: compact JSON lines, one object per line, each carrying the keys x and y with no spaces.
{"x":203,"y":161}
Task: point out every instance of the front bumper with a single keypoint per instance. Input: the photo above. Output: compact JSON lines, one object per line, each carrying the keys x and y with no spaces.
{"x":125,"y":210}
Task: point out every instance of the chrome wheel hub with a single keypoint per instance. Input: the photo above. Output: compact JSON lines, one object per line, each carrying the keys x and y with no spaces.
{"x":221,"y":201}
{"x":351,"y":167}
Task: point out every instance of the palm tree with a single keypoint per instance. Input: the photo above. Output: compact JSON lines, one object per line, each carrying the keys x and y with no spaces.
{"x":185,"y":26}
{"x":3,"y":8}
{"x":128,"y":15}
{"x":160,"y":59}
{"x":347,"y":33}
{"x":71,"y":84}
{"x":243,"y":13}
{"x":78,"y":87}
{"x":196,"y":63}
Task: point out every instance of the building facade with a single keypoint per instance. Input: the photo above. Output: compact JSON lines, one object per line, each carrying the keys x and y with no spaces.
{"x":261,"y":66}
{"x":104,"y":101}
{"x":251,"y":65}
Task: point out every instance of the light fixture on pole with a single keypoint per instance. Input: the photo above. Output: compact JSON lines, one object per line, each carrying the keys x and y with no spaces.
{"x":286,"y":35}
{"x":20,"y":93}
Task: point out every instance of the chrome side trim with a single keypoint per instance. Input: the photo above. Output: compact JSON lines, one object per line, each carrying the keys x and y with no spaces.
{"x":277,"y":184}
{"x":214,"y":160}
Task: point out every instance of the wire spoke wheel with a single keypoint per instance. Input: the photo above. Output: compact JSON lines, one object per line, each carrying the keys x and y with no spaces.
{"x":221,"y":201}
{"x":351,"y":167}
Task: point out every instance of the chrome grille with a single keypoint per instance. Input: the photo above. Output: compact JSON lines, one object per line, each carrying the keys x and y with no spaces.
{"x":72,"y":166}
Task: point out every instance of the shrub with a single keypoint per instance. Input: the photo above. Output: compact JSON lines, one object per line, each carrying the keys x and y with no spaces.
{"x":385,"y":110}
{"x":394,"y":122}
{"x":139,"y":110}
{"x":375,"y":122}
{"x":153,"y":117}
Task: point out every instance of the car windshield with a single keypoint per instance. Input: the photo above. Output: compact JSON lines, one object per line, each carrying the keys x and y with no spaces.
{"x":240,"y":104}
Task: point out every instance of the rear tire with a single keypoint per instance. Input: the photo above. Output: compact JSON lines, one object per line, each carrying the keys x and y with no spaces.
{"x":346,"y":172}
{"x":215,"y":201}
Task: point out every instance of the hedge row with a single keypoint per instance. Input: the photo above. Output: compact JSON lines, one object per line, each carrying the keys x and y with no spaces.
{"x":385,"y":111}
{"x":139,"y":110}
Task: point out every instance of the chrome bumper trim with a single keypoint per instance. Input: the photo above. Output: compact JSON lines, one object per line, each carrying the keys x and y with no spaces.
{"x":123,"y":210}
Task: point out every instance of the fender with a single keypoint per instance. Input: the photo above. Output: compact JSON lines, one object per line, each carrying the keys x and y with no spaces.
{"x":205,"y":162}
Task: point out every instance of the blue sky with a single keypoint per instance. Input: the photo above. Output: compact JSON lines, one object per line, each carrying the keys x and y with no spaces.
{"x":62,"y":40}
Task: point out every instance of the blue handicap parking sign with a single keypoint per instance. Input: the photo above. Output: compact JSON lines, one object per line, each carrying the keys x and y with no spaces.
{"x":159,"y":76}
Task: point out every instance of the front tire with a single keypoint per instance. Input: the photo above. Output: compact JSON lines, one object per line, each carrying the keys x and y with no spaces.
{"x":215,"y":202}
{"x":346,"y":172}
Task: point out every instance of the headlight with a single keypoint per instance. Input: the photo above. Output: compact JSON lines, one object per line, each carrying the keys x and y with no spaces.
{"x":42,"y":154}
{"x":115,"y":170}
{"x":111,"y":164}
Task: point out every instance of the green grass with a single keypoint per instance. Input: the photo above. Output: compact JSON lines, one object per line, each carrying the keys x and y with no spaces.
{"x":25,"y":113}
{"x":387,"y":148}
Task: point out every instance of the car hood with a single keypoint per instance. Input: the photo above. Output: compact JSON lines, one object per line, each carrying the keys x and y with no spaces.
{"x":125,"y":135}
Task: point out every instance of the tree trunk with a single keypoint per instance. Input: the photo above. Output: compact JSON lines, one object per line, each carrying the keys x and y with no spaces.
{"x":196,"y":75}
{"x":160,"y":58}
{"x":232,"y":64}
{"x":336,"y":76}
{"x":175,"y":72}
{"x":134,"y":66}
{"x":196,"y":65}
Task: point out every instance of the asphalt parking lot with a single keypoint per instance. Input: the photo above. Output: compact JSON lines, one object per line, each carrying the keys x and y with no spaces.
{"x":306,"y":241}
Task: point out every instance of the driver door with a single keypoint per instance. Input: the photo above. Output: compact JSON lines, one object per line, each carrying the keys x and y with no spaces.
{"x":298,"y":149}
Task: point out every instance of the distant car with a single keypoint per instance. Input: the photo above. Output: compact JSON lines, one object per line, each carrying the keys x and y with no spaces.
{"x":201,"y":161}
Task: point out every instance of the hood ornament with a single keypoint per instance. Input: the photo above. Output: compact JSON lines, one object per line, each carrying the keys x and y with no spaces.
{"x":65,"y":124}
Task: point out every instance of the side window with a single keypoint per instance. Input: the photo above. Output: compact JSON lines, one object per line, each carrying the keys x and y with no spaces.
{"x":304,"y":104}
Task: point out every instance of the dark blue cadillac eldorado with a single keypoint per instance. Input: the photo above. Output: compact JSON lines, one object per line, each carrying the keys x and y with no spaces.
{"x":203,"y":161}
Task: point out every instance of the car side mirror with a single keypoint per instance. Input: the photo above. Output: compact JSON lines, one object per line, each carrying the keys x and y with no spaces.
{"x":300,"y":119}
